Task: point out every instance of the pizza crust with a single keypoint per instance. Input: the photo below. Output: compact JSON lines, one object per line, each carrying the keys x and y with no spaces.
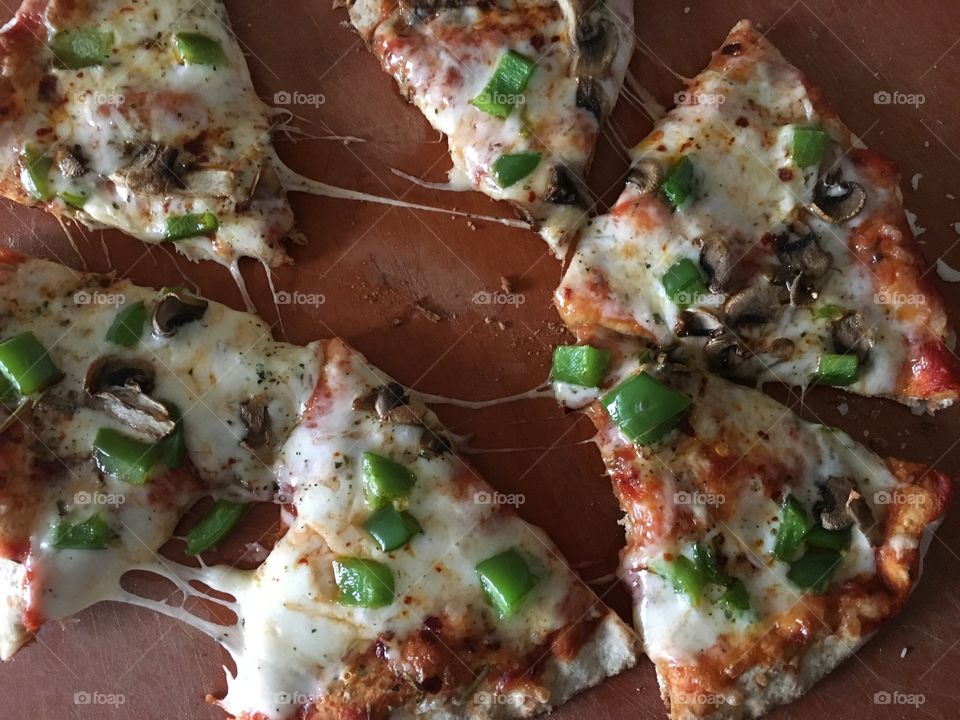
{"x":13,"y":634}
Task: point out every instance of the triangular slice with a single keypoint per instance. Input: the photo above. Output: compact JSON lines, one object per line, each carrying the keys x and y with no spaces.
{"x":520,"y":89}
{"x":403,"y":581}
{"x":141,"y":117}
{"x":762,"y":550}
{"x":756,"y":231}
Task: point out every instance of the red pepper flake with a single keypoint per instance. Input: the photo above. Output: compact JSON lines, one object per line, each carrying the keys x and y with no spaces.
{"x":531,"y":196}
{"x":785,"y":174}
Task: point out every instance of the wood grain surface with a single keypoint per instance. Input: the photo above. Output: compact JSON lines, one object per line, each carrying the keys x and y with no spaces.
{"x":401,"y":287}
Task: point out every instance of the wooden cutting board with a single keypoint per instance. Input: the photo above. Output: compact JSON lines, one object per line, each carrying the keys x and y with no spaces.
{"x":401,"y":287}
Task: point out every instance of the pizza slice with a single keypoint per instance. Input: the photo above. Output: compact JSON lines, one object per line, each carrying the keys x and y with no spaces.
{"x":141,"y":117}
{"x":400,"y":583}
{"x":762,"y":550}
{"x":758,"y":234}
{"x":520,"y":89}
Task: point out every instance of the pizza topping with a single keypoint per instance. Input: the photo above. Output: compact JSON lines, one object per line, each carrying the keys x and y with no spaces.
{"x":836,"y":200}
{"x":801,"y":254}
{"x":176,"y":308}
{"x":26,"y":364}
{"x":81,"y":47}
{"x":697,"y":323}
{"x":596,"y":44}
{"x":123,"y":457}
{"x":511,"y":169}
{"x":127,"y":326}
{"x":215,"y":526}
{"x":820,"y":537}
{"x":505,"y":89}
{"x":683,"y":283}
{"x":506,"y":579}
{"x":687,"y":578}
{"x":728,"y":356}
{"x":385,"y":480}
{"x":809,"y":145}
{"x":363,"y":583}
{"x":198,"y":49}
{"x":71,"y":162}
{"x":154,"y":170}
{"x":181,"y":227}
{"x":562,"y":188}
{"x":754,"y":305}
{"x":717,"y":261}
{"x":581,"y":365}
{"x":120,"y":387}
{"x":851,"y":336}
{"x":388,"y":398}
{"x":35,"y":172}
{"x":645,"y":176}
{"x":645,"y":409}
{"x":255,"y":416}
{"x":678,"y":183}
{"x":814,"y":570}
{"x":590,"y":96}
{"x":391,"y":528}
{"x":171,"y":450}
{"x":833,"y":369}
{"x":792,"y":530}
{"x":94,"y":533}
{"x":843,"y":506}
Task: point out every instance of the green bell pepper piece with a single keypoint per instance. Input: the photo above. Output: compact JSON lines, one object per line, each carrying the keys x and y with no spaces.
{"x":836,"y":369}
{"x":684,"y":283}
{"x":793,"y":529}
{"x":819,"y":537}
{"x":510,"y":169}
{"x":735,"y":600}
{"x":644,"y":408}
{"x":215,"y":526}
{"x":94,"y":533}
{"x":199,"y":49}
{"x":391,"y":528}
{"x":678,"y":183}
{"x":505,"y":87}
{"x":81,"y":47}
{"x":506,"y":580}
{"x":385,"y":480}
{"x":36,"y":179}
{"x":25,"y":362}
{"x":687,"y":578}
{"x":814,"y":569}
{"x":363,"y":583}
{"x":579,"y":365}
{"x":123,"y":457}
{"x":808,"y":145}
{"x":127,"y":326}
{"x":181,"y":227}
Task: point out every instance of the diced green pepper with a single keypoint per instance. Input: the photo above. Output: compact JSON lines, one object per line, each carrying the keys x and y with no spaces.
{"x":579,"y":365}
{"x":127,"y":326}
{"x":385,"y":480}
{"x":81,"y":47}
{"x":25,"y":362}
{"x":391,"y":528}
{"x":171,"y":449}
{"x":94,"y":533}
{"x":827,"y":312}
{"x":706,"y":561}
{"x":505,"y":87}
{"x":687,"y":578}
{"x":793,"y":528}
{"x":215,"y":526}
{"x":198,"y":49}
{"x":8,"y":393}
{"x":76,"y":200}
{"x":678,"y":183}
{"x":181,"y":227}
{"x":836,"y":369}
{"x":644,"y":408}
{"x":506,"y":579}
{"x":123,"y":457}
{"x":814,"y":570}
{"x":735,"y":600}
{"x":684,"y":283}
{"x":819,"y":537}
{"x":808,"y":145}
{"x":36,"y":172}
{"x":363,"y":583}
{"x":510,"y":169}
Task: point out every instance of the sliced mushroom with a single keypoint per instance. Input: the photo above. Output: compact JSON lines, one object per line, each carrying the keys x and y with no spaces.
{"x":211,"y":182}
{"x":802,"y":254}
{"x":597,"y":44}
{"x":120,"y":387}
{"x":590,"y":96}
{"x":754,"y":305}
{"x":153,"y":170}
{"x":435,"y":444}
{"x":645,"y":176}
{"x":728,"y":356}
{"x":697,"y":323}
{"x":562,"y":188}
{"x":255,"y":416}
{"x":420,"y":10}
{"x":717,"y":261}
{"x":836,"y":200}
{"x":782,"y":348}
{"x":71,"y":162}
{"x":406,"y":415}
{"x":176,"y":309}
{"x":389,"y":396}
{"x":850,"y":335}
{"x":843,"y":505}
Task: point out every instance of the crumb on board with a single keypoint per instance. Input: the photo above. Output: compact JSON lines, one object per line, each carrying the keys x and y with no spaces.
{"x":431,"y":315}
{"x":505,"y":284}
{"x":903,"y":653}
